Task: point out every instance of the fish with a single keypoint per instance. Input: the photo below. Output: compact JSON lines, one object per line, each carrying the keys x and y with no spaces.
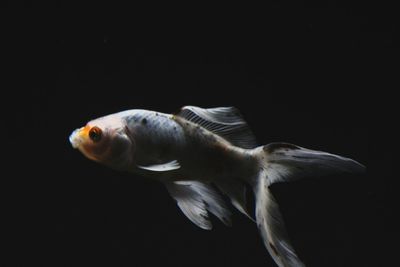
{"x":206,"y":158}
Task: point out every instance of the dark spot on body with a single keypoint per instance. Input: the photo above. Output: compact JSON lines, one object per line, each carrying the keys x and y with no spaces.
{"x":144,"y":121}
{"x":274,"y":146}
{"x":273,"y":248}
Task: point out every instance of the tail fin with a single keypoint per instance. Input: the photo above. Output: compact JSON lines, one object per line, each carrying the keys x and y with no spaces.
{"x":283,"y":162}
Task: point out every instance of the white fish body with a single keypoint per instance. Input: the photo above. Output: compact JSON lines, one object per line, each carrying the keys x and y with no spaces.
{"x":198,"y":148}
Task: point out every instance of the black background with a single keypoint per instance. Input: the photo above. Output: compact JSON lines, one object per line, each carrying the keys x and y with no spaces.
{"x":312,"y":74}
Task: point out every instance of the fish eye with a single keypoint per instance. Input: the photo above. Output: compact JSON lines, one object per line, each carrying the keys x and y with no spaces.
{"x":95,"y":134}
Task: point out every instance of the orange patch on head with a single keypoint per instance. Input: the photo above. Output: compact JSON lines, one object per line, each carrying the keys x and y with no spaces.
{"x":84,"y":132}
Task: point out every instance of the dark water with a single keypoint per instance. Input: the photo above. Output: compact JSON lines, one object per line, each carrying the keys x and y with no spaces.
{"x":308,"y":77}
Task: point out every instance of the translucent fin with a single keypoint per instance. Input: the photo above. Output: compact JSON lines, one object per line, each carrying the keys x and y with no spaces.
{"x":195,"y":198}
{"x":236,"y":191}
{"x":284,"y":162}
{"x":225,"y":122}
{"x":287,"y":162}
{"x":272,"y":227}
{"x":169,"y":166}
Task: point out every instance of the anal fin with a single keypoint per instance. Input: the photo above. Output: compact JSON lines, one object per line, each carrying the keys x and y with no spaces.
{"x":237,"y":193}
{"x":195,"y":199}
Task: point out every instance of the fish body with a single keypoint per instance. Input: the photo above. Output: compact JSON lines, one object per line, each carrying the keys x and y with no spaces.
{"x":198,"y":150}
{"x":158,"y":138}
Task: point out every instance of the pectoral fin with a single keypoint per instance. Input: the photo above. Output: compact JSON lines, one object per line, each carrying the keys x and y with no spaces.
{"x":169,"y":166}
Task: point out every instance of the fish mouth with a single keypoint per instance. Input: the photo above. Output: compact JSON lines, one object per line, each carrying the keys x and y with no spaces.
{"x":75,"y":138}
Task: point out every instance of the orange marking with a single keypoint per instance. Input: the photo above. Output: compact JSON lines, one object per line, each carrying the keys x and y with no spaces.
{"x":84,"y":132}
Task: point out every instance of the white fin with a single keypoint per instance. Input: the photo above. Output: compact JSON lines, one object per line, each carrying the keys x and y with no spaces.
{"x":236,"y":191}
{"x":195,"y":198}
{"x":284,"y":162}
{"x":169,"y":166}
{"x":272,"y":227}
{"x":225,"y":122}
{"x":287,"y":162}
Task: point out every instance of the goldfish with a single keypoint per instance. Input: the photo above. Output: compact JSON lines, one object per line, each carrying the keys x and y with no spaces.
{"x":201,"y":155}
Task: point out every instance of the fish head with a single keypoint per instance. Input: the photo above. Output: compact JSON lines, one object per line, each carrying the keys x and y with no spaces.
{"x":104,"y":140}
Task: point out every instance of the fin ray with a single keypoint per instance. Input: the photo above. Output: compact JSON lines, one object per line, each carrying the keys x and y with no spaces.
{"x":287,"y":162}
{"x":272,"y":227}
{"x":223,"y":121}
{"x":195,"y":199}
{"x":236,"y":191}
{"x":284,"y":162}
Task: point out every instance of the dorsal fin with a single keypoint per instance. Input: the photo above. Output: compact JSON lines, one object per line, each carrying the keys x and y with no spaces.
{"x":224,"y":121}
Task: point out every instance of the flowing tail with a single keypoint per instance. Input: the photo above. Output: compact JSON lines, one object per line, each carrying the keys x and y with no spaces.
{"x":282,"y":162}
{"x":277,"y":162}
